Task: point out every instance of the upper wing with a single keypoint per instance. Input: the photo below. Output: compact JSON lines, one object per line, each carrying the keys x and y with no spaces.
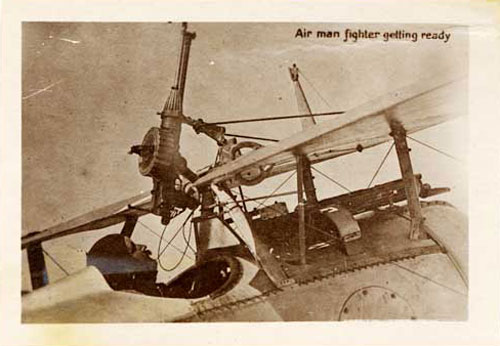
{"x":416,"y":107}
{"x":100,"y":218}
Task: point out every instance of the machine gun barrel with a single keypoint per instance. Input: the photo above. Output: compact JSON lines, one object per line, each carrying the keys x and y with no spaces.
{"x":180,"y":80}
{"x":171,"y":116}
{"x":378,"y":196}
{"x":159,"y":151}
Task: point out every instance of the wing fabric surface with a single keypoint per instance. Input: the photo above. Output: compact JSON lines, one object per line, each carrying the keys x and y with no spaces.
{"x":416,"y":107}
{"x":100,"y":218}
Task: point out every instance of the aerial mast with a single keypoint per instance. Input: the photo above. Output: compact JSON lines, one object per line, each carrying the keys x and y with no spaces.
{"x":306,"y":122}
{"x":302,"y":103}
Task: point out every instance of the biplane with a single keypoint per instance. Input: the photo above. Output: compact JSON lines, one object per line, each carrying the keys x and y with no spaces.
{"x":382,"y":252}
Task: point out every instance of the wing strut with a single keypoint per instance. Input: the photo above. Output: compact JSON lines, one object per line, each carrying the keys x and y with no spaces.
{"x":301,"y":208}
{"x":399,"y":134}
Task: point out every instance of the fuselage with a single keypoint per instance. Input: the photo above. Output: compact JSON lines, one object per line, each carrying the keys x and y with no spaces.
{"x":392,"y":277}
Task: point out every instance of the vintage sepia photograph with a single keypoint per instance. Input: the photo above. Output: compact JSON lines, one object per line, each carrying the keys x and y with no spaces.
{"x":222,"y":172}
{"x":219,"y":172}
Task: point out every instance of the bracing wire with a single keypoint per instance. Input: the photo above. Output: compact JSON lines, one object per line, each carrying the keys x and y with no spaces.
{"x":332,"y":237}
{"x":252,"y":137}
{"x":159,"y":236}
{"x":314,"y":88}
{"x":311,"y":227}
{"x":381,"y":164}
{"x":414,"y":272}
{"x":435,"y":149}
{"x":295,"y":217}
{"x":281,"y":117}
{"x":331,"y":179}
{"x":425,"y":277}
{"x":277,"y":189}
{"x":55,"y":262}
{"x":253,"y":199}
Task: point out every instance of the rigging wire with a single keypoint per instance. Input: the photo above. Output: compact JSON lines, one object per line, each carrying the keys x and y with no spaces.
{"x":435,"y":149}
{"x":276,"y":189}
{"x":295,"y":217}
{"x":401,"y":215}
{"x":280,"y":117}
{"x":252,"y":137}
{"x":331,"y":179}
{"x":381,"y":164}
{"x":159,"y":236}
{"x":314,"y":88}
{"x":55,"y":262}
{"x":311,"y":227}
{"x":332,"y":237}
{"x":414,"y":272}
{"x":427,"y":278}
{"x":253,"y":199}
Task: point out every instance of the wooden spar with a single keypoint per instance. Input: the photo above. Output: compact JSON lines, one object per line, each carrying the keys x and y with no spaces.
{"x":399,"y":134}
{"x":301,"y":209}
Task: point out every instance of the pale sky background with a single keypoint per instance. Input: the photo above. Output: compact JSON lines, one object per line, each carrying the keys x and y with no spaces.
{"x":105,"y":81}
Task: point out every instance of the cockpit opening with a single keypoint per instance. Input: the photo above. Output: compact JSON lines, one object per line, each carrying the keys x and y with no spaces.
{"x":212,"y":277}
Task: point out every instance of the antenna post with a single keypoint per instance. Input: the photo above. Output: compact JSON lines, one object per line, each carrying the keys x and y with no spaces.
{"x":305,"y":166}
{"x":302,"y":103}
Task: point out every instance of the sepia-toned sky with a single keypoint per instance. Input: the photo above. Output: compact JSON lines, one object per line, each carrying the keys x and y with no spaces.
{"x":91,"y":90}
